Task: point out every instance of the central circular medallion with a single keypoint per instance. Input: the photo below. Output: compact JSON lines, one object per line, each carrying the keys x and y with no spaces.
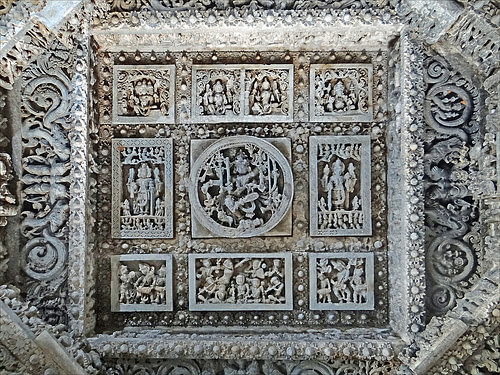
{"x":241,"y":187}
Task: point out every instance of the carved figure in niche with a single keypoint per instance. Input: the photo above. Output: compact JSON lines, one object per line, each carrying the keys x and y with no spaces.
{"x":216,"y":96}
{"x":267,"y":92}
{"x":341,"y":90}
{"x":143,"y":92}
{"x":341,"y":280}
{"x":143,"y":201}
{"x":240,"y":281}
{"x":144,"y":286}
{"x":338,"y":204}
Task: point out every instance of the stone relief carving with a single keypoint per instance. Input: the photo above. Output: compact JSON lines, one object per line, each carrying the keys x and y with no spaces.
{"x":341,"y":92}
{"x":340,"y":179}
{"x":244,"y":93}
{"x":236,"y":282}
{"x":7,"y":200}
{"x":241,"y":186}
{"x":143,"y":93}
{"x":142,"y":188}
{"x":46,"y":179}
{"x":341,"y":281}
{"x":450,"y":113}
{"x":141,"y":283}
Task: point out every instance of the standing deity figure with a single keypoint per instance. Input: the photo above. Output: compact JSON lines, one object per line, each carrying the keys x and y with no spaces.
{"x":145,"y":194}
{"x":336,"y":191}
{"x":349,"y":183}
{"x":339,"y":286}
{"x":131,"y":184}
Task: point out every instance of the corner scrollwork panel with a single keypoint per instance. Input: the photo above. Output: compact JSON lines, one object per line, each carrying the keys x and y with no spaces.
{"x":142,"y":188}
{"x":46,"y":179}
{"x":451,"y":143}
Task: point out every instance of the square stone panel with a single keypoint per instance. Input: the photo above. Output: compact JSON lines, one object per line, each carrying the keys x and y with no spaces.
{"x":243,"y":93}
{"x":142,"y":188}
{"x":141,"y":282}
{"x":341,"y":281}
{"x":240,"y":282}
{"x":241,"y":187}
{"x":143,"y":94}
{"x":340,"y":185}
{"x":341,"y":92}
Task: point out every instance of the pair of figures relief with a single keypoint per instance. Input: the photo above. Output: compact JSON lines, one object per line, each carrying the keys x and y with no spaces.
{"x":145,"y":286}
{"x":242,"y":93}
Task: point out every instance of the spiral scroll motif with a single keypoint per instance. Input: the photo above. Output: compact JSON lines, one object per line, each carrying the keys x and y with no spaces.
{"x":45,"y":257}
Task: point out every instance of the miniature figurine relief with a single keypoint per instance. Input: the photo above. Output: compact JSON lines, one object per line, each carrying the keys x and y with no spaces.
{"x":241,"y":186}
{"x":143,"y":94}
{"x":240,"y":282}
{"x":340,"y":185}
{"x":341,"y":281}
{"x":341,"y":92}
{"x":244,"y":93}
{"x":141,"y":282}
{"x":142,"y":188}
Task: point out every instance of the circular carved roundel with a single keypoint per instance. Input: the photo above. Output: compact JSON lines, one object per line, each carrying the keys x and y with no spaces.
{"x":241,"y":187}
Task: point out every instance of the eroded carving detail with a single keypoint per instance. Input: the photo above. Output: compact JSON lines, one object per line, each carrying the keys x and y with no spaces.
{"x":341,"y":92}
{"x":7,"y":200}
{"x":241,"y":186}
{"x":341,"y":281}
{"x":143,"y":94}
{"x":340,"y":185}
{"x":142,"y":188}
{"x":240,"y":282}
{"x":141,"y":283}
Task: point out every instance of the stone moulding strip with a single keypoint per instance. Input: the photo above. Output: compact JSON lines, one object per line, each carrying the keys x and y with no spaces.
{"x":243,"y":95}
{"x":117,"y":260}
{"x":193,"y":288}
{"x":347,"y":116}
{"x":365,"y":190}
{"x":313,"y":282}
{"x":253,"y":347}
{"x":156,"y":119}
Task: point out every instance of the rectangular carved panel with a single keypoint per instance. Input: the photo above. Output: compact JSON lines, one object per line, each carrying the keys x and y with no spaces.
{"x":341,"y":92}
{"x":340,"y":185}
{"x":341,"y":281}
{"x":143,"y":94}
{"x":240,"y":282}
{"x":244,"y":93}
{"x":141,"y":282}
{"x":142,"y":188}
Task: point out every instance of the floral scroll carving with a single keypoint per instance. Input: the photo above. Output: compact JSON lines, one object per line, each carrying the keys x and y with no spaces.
{"x":46,"y":166}
{"x":241,"y":186}
{"x":451,"y":141}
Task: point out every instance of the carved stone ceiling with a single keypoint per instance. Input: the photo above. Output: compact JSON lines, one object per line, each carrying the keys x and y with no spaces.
{"x":249,"y":187}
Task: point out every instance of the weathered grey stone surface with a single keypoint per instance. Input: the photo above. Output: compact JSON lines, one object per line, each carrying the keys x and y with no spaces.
{"x":412,"y":289}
